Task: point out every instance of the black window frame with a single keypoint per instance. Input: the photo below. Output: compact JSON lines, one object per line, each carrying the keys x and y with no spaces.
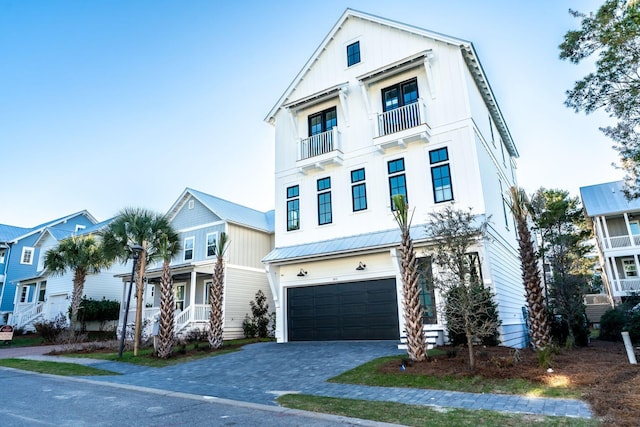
{"x":396,"y":174}
{"x":439,"y":164}
{"x":353,"y":54}
{"x":293,"y":205}
{"x":424,"y":268}
{"x":324,"y":127}
{"x":401,"y":94}
{"x":325,"y":214}
{"x":358,"y":190}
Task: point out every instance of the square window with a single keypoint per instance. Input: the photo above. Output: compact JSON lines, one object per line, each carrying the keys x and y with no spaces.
{"x":324,"y":184}
{"x":437,"y":156}
{"x":395,"y":166}
{"x":353,"y":54}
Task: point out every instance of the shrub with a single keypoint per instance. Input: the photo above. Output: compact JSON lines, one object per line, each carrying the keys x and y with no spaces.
{"x":50,"y":330}
{"x":633,"y":325}
{"x":612,"y":323}
{"x":486,"y":313}
{"x":258,"y":324}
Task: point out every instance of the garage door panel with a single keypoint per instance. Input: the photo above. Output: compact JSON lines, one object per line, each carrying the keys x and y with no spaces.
{"x":346,"y":311}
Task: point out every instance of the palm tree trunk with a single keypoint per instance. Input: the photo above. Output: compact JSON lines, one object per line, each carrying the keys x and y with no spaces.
{"x":139,"y":296}
{"x":167,"y":306}
{"x":416,"y":343}
{"x":216,"y":294}
{"x":79,"y":278}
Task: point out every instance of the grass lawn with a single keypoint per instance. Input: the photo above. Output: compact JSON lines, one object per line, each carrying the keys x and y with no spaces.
{"x":28,"y":340}
{"x":55,"y":368}
{"x":413,"y":415}
{"x":368,"y":374}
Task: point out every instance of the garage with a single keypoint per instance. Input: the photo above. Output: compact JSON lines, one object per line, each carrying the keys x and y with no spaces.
{"x":365,"y":310}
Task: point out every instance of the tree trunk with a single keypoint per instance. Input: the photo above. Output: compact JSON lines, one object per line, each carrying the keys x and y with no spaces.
{"x":79,"y":277}
{"x":416,"y":343}
{"x":472,"y":359}
{"x":139,"y":296}
{"x":216,"y":294}
{"x":167,"y":307}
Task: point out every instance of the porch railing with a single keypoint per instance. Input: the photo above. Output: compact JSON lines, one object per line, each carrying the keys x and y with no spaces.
{"x":401,"y":118}
{"x":193,"y":313}
{"x":627,"y":285}
{"x":319,"y":144}
{"x":619,"y":242}
{"x":27,"y":313}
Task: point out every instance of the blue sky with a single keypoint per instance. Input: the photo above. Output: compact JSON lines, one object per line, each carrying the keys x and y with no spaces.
{"x":109,"y":104}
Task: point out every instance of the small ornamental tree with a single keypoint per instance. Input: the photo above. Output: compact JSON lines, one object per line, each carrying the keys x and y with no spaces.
{"x":469,"y":306}
{"x":258,"y":323}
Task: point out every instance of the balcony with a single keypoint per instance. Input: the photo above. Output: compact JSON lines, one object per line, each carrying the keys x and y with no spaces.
{"x":402,"y":125}
{"x":626,"y":286}
{"x":617,"y":242}
{"x":318,"y":151}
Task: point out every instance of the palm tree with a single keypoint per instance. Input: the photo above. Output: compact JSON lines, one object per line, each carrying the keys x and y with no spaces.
{"x":216,"y":293}
{"x":167,"y":299}
{"x":538,"y":320}
{"x":138,"y":226}
{"x":416,"y":343}
{"x":81,"y":254}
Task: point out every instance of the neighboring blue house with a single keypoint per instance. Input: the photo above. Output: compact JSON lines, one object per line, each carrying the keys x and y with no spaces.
{"x":20,"y":255}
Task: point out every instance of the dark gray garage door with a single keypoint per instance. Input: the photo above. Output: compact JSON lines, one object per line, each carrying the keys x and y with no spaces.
{"x":346,"y":311}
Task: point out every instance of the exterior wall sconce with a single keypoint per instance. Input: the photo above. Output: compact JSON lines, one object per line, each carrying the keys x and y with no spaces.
{"x":302,"y":272}
{"x":361,"y":266}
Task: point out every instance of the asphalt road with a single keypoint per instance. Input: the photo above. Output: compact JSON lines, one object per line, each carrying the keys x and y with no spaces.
{"x":28,"y":399}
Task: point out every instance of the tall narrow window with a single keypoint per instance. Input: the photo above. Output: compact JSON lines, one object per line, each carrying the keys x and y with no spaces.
{"x":633,"y":225}
{"x":504,"y":206}
{"x":188,"y":248}
{"x":27,"y":255}
{"x":24,"y":294}
{"x":2,"y":254}
{"x":293,"y":208}
{"x":323,"y":121}
{"x":427,"y":293}
{"x":358,"y":190}
{"x":179,"y":294}
{"x":211,"y":244}
{"x":353,"y":54}
{"x":324,"y":201}
{"x":397,"y":180}
{"x":43,"y":291}
{"x":399,"y":95}
{"x":441,"y":175}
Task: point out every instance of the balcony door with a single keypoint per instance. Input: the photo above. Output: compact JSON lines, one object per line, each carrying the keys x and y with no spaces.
{"x":399,"y":95}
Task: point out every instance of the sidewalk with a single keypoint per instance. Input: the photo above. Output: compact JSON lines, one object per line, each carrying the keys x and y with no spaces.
{"x":261,"y":372}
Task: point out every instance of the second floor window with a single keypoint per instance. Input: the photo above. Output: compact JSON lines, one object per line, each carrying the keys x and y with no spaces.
{"x":293,"y":208}
{"x":397,"y":180}
{"x":323,"y":121}
{"x":188,"y":248}
{"x":211,"y":244}
{"x":2,"y":252}
{"x":441,"y":175}
{"x":27,"y":256}
{"x":399,"y":95}
{"x":358,"y":190}
{"x":353,"y":54}
{"x":633,"y":225}
{"x":324,"y":201}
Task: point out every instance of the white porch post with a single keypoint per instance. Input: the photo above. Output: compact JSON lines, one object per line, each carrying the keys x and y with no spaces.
{"x":615,"y":272}
{"x":631,"y":239}
{"x":606,"y":231}
{"x":192,"y":290}
{"x":599,"y":231}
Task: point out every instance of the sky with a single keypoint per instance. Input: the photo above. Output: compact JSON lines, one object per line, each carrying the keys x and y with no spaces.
{"x":113,"y":104}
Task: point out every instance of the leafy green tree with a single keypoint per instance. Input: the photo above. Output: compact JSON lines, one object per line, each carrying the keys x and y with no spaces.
{"x":562,"y":226}
{"x":216,"y":294}
{"x":412,"y":309}
{"x":539,"y":327}
{"x":81,"y":254}
{"x":469,"y":306}
{"x":613,"y":34}
{"x":138,"y":226}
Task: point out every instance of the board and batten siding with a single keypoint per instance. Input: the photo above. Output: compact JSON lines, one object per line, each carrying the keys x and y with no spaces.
{"x":248,"y":246}
{"x":506,"y":276}
{"x":241,"y":287}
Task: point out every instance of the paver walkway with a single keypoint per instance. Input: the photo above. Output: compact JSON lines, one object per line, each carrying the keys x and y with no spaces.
{"x":261,"y":372}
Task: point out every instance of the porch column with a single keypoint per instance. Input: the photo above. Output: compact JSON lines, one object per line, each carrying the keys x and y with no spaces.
{"x":599,"y":232}
{"x":631,"y":239}
{"x":616,"y":276}
{"x":192,"y":290}
{"x":606,"y":231}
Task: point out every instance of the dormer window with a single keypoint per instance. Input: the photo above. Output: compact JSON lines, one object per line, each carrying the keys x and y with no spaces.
{"x":353,"y":54}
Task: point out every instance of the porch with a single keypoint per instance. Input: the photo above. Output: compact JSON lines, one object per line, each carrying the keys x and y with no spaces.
{"x":402,"y":125}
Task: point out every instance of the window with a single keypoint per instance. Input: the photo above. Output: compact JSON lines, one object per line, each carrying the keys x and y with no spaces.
{"x":323,"y":121}
{"x":399,"y":95}
{"x":441,"y":175}
{"x":24,"y":294}
{"x":2,"y":254}
{"x":211,"y":244}
{"x":324,"y":201}
{"x":504,"y":206}
{"x":397,"y":180}
{"x":27,"y":255}
{"x":293,"y":208}
{"x":179,"y":294}
{"x":629,"y":266}
{"x":192,"y":203}
{"x":427,"y":293}
{"x":358,"y":190}
{"x":188,"y":248}
{"x":353,"y":54}
{"x":42,"y":292}
{"x":205,"y":293}
{"x":80,"y":227}
{"x":633,"y":225}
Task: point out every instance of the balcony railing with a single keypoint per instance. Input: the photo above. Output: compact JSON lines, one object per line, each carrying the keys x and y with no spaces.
{"x":624,"y":286}
{"x":319,"y":144}
{"x":25,"y":313}
{"x":400,"y":119}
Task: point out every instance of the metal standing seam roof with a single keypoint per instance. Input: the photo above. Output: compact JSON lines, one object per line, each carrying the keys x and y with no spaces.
{"x":236,"y":213}
{"x":10,"y":232}
{"x":607,"y":199}
{"x":377,"y":239}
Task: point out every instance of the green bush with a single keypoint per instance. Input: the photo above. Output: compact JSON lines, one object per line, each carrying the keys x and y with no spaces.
{"x":50,"y":330}
{"x":633,"y":326}
{"x":258,"y":324}
{"x":612,"y":323}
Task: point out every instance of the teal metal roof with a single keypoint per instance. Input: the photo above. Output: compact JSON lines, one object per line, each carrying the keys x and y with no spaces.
{"x":236,"y":213}
{"x":10,"y":232}
{"x":607,"y":199}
